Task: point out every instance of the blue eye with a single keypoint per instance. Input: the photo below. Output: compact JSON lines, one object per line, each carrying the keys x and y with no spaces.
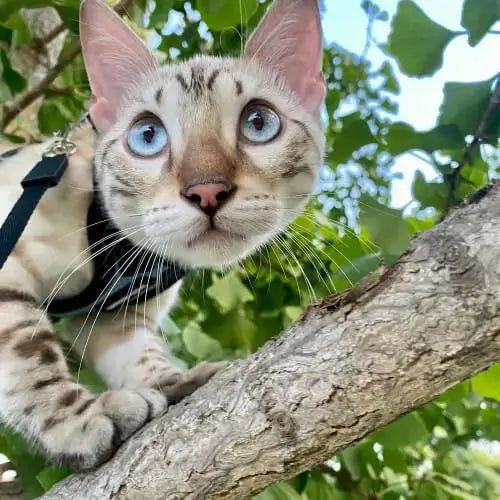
{"x":147,"y":137}
{"x":259,"y":124}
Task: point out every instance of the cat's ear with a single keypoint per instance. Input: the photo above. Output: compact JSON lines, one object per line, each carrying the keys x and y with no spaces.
{"x":114,"y":56}
{"x":289,"y":40}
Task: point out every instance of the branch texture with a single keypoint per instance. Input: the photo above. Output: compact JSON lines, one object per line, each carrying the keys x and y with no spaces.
{"x":352,"y":364}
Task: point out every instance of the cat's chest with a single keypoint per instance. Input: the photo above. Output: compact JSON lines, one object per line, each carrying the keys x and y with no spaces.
{"x":53,"y":247}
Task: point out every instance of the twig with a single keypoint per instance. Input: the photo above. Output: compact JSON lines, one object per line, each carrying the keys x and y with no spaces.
{"x":51,"y":35}
{"x":479,"y":136}
{"x":12,"y":111}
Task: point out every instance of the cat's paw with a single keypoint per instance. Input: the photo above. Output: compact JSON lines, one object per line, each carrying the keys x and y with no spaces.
{"x":178,"y":385}
{"x":92,"y":434}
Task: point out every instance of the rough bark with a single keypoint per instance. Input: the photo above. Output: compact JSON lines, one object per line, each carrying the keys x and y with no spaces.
{"x":350,"y":365}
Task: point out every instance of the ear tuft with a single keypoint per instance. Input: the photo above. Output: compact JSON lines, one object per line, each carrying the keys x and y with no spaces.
{"x":114,"y":57}
{"x":289,"y":40}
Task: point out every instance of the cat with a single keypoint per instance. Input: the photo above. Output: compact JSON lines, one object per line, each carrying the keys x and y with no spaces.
{"x":202,"y":162}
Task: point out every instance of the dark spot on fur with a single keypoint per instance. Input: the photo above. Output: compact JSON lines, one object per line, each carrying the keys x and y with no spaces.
{"x":10,"y":153}
{"x":296,"y":170}
{"x":40,"y":384}
{"x":84,"y":406}
{"x":158,"y":95}
{"x":116,"y":190}
{"x":70,"y":397}
{"x":212,"y":78}
{"x":107,"y":149}
{"x":182,"y":81}
{"x":123,"y":180}
{"x":6,"y":333}
{"x":30,"y":347}
{"x":51,"y":422}
{"x":239,"y":87}
{"x":28,"y":410}
{"x":197,"y":81}
{"x":13,"y":295}
{"x":48,"y":355}
{"x":143,"y":360}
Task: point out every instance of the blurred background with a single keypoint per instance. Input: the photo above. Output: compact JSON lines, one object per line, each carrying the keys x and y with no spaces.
{"x":410,"y":134}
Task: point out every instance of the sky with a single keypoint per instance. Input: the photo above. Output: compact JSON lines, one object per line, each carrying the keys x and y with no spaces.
{"x":345,"y":23}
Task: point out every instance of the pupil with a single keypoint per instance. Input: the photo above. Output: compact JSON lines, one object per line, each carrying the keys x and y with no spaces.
{"x":149,"y":134}
{"x":257,"y":120}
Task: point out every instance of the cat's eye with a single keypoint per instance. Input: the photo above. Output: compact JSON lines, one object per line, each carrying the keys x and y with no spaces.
{"x":147,"y":137}
{"x":259,"y":123}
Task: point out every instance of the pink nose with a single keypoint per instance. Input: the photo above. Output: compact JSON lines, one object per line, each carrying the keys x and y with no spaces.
{"x":208,"y":197}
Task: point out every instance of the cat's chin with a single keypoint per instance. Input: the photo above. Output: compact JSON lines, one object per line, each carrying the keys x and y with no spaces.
{"x":215,"y":248}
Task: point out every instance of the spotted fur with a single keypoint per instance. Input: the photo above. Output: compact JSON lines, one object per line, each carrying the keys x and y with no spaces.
{"x":200,"y":102}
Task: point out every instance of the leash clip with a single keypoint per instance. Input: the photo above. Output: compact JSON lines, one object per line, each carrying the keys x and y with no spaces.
{"x":61,"y":146}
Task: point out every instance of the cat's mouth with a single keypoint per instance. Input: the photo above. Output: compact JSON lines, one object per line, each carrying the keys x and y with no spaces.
{"x":214,"y":235}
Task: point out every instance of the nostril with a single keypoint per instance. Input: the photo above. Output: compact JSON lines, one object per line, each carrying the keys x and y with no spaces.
{"x":224,"y":195}
{"x":194,"y":198}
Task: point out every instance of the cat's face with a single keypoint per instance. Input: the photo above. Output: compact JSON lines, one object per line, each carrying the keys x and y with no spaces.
{"x":207,"y":160}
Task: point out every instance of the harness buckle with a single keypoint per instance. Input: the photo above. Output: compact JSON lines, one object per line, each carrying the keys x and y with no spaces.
{"x":61,"y":146}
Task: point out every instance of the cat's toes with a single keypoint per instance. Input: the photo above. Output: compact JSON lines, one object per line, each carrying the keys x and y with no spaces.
{"x":92,"y":434}
{"x":177,"y":386}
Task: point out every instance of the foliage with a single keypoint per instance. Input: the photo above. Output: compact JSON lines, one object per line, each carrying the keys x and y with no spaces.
{"x":347,"y":232}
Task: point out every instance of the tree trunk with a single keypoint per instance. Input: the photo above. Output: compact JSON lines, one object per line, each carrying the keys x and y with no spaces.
{"x":352,"y":364}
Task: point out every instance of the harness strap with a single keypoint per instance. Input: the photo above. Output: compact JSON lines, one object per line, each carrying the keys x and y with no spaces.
{"x":45,"y":174}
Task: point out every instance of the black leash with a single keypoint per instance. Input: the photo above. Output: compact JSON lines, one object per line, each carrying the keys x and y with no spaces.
{"x":45,"y":174}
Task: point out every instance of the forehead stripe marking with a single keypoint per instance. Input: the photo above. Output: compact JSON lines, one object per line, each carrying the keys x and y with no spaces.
{"x":182,"y":81}
{"x":239,"y":87}
{"x":158,"y":95}
{"x":212,"y":78}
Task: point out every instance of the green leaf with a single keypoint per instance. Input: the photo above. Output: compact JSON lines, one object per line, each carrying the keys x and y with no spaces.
{"x":11,"y":82}
{"x":199,"y":344}
{"x":292,"y":313}
{"x":8,"y":7}
{"x":318,"y":488}
{"x":487,"y":383}
{"x":20,"y":32}
{"x":405,"y":431}
{"x":386,"y":227}
{"x":57,"y":112}
{"x":352,"y":458}
{"x":478,"y":16}
{"x":16,"y":139}
{"x":226,"y":14}
{"x":353,"y":136}
{"x":229,"y":291}
{"x":464,"y":105}
{"x":51,"y":475}
{"x":455,"y":393}
{"x":402,"y":137}
{"x":279,"y":491}
{"x":430,"y":194}
{"x":159,"y":16}
{"x":70,"y":15}
{"x":416,"y":41}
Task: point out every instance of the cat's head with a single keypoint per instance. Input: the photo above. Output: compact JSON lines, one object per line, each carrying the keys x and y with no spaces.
{"x":206,"y":160}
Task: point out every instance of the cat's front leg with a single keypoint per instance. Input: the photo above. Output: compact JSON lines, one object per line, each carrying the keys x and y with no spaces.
{"x":129,"y":354}
{"x":39,"y":398}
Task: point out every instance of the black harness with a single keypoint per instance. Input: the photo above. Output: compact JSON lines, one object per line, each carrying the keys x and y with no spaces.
{"x":123,"y":272}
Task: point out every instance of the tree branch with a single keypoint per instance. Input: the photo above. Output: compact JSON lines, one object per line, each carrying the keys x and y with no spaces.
{"x":352,"y":364}
{"x":11,"y":111}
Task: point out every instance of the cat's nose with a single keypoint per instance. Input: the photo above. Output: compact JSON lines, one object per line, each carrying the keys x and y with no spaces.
{"x":208,"y":197}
